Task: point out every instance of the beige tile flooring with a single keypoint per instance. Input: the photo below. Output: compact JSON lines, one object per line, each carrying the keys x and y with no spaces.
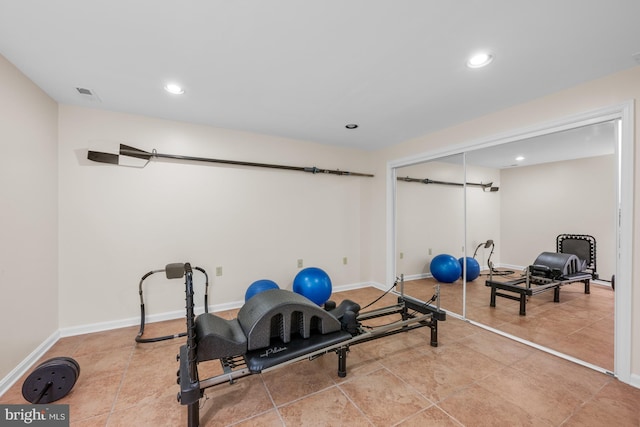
{"x":580,"y":325}
{"x":473,"y":378}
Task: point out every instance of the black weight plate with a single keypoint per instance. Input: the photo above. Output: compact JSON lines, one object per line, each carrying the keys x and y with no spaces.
{"x":57,"y":376}
{"x":73,"y":362}
{"x":55,"y":362}
{"x":65,"y":361}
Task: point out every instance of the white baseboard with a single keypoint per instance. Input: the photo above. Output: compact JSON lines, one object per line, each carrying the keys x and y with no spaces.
{"x":634,"y":380}
{"x":516,"y":268}
{"x":408,"y":277}
{"x":343,"y":288}
{"x":223,"y":307}
{"x":150,"y":318}
{"x":26,"y":364}
{"x":171,"y":315}
{"x":419,"y":276}
{"x":375,"y":285}
{"x":99,"y":327}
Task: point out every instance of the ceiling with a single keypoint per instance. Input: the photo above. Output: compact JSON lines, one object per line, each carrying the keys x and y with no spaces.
{"x":578,"y":143}
{"x":305,"y":69}
{"x":598,"y":139}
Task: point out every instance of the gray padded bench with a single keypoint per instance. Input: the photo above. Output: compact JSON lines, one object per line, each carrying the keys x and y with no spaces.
{"x":275,"y":314}
{"x":550,"y":271}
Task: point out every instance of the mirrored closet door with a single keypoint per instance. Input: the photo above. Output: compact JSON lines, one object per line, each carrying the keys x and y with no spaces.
{"x":518,"y":198}
{"x":430,"y":222}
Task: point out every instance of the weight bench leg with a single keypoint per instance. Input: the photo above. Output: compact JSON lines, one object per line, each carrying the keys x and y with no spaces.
{"x":556,"y":294}
{"x":493,"y":297}
{"x":193,"y":414}
{"x":523,"y":305}
{"x":342,"y":362}
{"x":587,"y":286}
{"x":434,"y":332}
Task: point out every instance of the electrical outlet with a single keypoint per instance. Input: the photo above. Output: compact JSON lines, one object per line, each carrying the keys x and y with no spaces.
{"x":401,"y":255}
{"x":300,"y":263}
{"x":218,"y":271}
{"x":344,"y":260}
{"x":430,"y":251}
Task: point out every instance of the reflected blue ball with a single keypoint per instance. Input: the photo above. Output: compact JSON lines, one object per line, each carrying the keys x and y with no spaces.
{"x":473,"y":268}
{"x":445,"y":268}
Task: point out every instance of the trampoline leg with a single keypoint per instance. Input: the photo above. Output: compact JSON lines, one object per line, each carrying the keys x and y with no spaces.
{"x":342,"y":362}
{"x":193,"y":414}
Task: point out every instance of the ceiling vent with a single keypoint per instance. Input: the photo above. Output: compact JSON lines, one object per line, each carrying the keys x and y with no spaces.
{"x":88,"y":94}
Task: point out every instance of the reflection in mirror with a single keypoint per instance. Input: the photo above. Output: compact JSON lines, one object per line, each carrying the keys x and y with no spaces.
{"x":430,"y":222}
{"x":552,"y":185}
{"x":483,"y":230}
{"x":543,"y":187}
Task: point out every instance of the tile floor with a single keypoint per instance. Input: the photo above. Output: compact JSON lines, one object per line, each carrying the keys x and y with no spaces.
{"x":473,"y":378}
{"x":580,"y":325}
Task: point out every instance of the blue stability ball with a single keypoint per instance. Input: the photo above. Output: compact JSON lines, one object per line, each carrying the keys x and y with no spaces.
{"x":314,"y":284}
{"x":259,"y":286}
{"x":473,"y":268}
{"x":445,"y":268}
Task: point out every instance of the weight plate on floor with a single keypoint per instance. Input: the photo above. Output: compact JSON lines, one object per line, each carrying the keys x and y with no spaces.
{"x":51,"y":380}
{"x":73,"y":362}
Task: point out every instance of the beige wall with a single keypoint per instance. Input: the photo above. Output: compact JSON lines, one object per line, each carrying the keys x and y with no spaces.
{"x":605,"y":92}
{"x":28,"y":218}
{"x":543,"y":201}
{"x":117,"y":223}
{"x":432,"y":216}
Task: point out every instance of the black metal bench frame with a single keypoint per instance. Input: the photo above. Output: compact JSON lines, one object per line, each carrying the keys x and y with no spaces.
{"x":414,"y":314}
{"x":521,"y":289}
{"x":581,"y":245}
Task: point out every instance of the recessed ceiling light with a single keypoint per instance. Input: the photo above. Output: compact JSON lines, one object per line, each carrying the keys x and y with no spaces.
{"x":174,"y":89}
{"x":351,"y":126}
{"x":479,"y":60}
{"x":519,"y":158}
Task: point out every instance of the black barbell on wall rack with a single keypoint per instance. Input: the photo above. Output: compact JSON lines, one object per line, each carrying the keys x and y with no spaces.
{"x":488,"y":187}
{"x":127,"y":151}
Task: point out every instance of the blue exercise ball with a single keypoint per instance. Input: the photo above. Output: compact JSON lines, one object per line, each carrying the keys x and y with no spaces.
{"x":259,"y":286}
{"x":473,"y":268}
{"x":445,"y":268}
{"x":313,"y":283}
